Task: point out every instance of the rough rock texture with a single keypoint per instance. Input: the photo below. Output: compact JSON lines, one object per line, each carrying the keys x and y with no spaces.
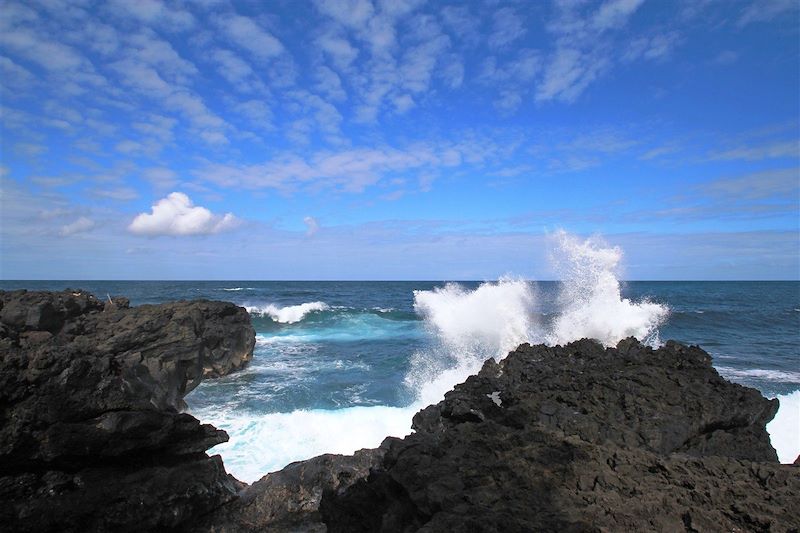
{"x":91,"y":434}
{"x":581,"y":438}
{"x":288,"y":500}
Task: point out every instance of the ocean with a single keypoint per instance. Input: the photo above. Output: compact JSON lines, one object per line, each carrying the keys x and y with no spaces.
{"x":340,"y":365}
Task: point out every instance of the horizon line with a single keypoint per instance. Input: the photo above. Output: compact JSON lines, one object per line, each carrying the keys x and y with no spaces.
{"x":385,"y":280}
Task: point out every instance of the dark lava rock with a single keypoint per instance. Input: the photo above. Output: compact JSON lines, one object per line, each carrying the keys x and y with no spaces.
{"x":581,"y":438}
{"x":91,"y":433}
{"x":288,"y":500}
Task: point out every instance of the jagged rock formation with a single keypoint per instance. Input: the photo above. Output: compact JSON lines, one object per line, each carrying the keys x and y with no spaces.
{"x":91,"y":433}
{"x":581,"y":438}
{"x":288,"y":500}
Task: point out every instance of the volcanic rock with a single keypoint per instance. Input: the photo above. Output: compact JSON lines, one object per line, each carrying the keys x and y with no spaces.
{"x":288,"y":500}
{"x":91,"y":433}
{"x":581,"y":438}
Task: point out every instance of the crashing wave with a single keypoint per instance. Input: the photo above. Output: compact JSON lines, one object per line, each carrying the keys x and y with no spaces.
{"x":289,"y":314}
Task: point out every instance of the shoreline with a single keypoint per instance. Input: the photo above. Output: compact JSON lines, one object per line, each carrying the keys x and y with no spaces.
{"x":49,"y":335}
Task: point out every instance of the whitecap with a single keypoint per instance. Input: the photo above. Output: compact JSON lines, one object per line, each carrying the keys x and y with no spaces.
{"x":289,"y":314}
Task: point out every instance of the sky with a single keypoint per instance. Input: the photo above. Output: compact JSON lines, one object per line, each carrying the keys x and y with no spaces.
{"x":402,"y":139}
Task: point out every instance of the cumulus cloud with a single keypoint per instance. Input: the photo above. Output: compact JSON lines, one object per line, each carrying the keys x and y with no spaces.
{"x":177,"y":215}
{"x":81,"y":225}
{"x":312,"y":226}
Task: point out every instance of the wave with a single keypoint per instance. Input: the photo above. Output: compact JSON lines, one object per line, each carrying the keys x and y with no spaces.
{"x":489,"y":321}
{"x":784,"y":429}
{"x":262,"y":443}
{"x":289,"y":314}
{"x":238,"y":289}
{"x":780,"y":376}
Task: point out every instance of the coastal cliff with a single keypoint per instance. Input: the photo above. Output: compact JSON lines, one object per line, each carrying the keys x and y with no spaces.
{"x":574,"y":438}
{"x":91,"y":433}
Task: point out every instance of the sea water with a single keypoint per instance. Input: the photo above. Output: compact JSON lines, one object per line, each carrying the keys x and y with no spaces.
{"x":338,"y":366}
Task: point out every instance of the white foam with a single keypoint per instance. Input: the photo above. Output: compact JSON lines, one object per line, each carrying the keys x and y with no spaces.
{"x":265,"y":443}
{"x":591,"y":302}
{"x":784,"y":429}
{"x":289,"y":314}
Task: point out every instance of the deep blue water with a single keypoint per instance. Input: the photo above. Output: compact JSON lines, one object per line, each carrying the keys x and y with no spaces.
{"x":352,"y":345}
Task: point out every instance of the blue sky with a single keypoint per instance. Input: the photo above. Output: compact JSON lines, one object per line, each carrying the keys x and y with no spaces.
{"x":397,"y":140}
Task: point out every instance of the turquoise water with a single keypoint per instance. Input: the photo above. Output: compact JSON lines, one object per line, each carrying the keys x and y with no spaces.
{"x":352,"y":353}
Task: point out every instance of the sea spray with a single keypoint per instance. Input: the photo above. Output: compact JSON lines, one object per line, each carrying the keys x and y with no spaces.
{"x":784,"y":429}
{"x":471,"y":326}
{"x":468,"y":327}
{"x":590,"y":300}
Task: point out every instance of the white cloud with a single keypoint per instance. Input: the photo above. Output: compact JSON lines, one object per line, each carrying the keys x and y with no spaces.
{"x":339,"y":49}
{"x":352,"y":13}
{"x":584,"y":45}
{"x":81,"y":225}
{"x":330,"y":84}
{"x":177,"y":215}
{"x":764,"y":10}
{"x":312,"y":226}
{"x":614,"y":13}
{"x":154,"y":12}
{"x":568,"y":74}
{"x":250,"y":36}
{"x":49,"y":54}
{"x":507,"y":28}
{"x":354,"y":169}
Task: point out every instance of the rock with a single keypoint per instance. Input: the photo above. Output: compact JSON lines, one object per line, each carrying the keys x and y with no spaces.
{"x":582,"y":439}
{"x":91,"y":433}
{"x":288,"y":500}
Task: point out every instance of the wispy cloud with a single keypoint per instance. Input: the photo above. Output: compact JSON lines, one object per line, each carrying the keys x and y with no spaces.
{"x":81,"y":225}
{"x":765,"y":10}
{"x":347,"y":170}
{"x":772,"y":150}
{"x":782,"y":183}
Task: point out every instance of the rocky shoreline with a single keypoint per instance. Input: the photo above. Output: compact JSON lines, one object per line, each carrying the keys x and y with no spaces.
{"x":572,"y":438}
